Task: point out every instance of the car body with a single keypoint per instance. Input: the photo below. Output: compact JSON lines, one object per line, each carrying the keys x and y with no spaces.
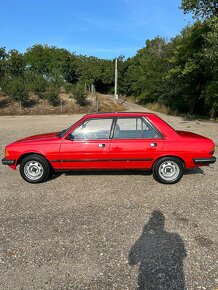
{"x":112,"y":141}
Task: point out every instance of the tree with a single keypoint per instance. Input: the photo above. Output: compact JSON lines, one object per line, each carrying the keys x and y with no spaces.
{"x":211,"y":56}
{"x":188,"y":74}
{"x":16,"y":89}
{"x":145,"y":70}
{"x":3,"y":57}
{"x":15,"y":63}
{"x":200,"y":8}
{"x":52,"y":63}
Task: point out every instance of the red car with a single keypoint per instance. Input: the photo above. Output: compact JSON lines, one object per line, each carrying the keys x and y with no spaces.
{"x":112,"y":141}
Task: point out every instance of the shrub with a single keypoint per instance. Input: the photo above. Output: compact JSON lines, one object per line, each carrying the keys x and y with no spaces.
{"x":52,"y":95}
{"x":80,"y":94}
{"x":36,"y":84}
{"x":16,"y":89}
{"x":68,"y":88}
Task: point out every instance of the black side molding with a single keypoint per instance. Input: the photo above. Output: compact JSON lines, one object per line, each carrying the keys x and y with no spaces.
{"x":7,"y":162}
{"x":205,"y":161}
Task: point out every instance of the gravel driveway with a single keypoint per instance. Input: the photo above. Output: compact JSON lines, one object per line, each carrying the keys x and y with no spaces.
{"x":108,"y":230}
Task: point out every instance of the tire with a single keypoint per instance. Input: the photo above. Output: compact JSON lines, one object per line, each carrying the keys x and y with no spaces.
{"x":34,"y":169}
{"x":168,"y":170}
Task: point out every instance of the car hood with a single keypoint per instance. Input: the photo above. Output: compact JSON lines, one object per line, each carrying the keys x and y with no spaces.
{"x":40,"y":137}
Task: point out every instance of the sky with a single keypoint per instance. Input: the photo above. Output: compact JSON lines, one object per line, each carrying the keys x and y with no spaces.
{"x":101,"y":28}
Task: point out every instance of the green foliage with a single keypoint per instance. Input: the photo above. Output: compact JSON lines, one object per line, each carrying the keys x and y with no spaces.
{"x":79,"y":94}
{"x":181,"y":74}
{"x":16,"y":89}
{"x":68,"y":88}
{"x":200,"y":8}
{"x":211,"y":43}
{"x":15,"y":63}
{"x":3,"y":57}
{"x":211,"y":97}
{"x":52,"y":63}
{"x":146,"y":69}
{"x":52,"y":95}
{"x":36,"y":83}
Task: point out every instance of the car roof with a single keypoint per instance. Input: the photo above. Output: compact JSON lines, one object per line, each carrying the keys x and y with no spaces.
{"x":118,"y":114}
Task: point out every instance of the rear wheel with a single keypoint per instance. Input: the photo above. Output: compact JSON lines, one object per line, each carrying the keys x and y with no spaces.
{"x":168,"y":170}
{"x":34,"y":169}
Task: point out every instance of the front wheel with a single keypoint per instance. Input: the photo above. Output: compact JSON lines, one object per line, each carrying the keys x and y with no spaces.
{"x":168,"y":170}
{"x":34,"y":169}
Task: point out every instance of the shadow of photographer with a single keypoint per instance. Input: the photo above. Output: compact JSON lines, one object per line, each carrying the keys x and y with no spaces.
{"x":160,"y":256}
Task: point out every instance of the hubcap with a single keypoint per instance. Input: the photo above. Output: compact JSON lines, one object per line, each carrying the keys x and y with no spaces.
{"x":33,"y":170}
{"x":169,"y":170}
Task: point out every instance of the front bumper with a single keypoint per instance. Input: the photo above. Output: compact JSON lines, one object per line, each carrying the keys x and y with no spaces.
{"x":8,"y":162}
{"x":204,"y":161}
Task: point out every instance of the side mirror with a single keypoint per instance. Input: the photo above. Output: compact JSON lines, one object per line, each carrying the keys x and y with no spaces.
{"x":70,"y":137}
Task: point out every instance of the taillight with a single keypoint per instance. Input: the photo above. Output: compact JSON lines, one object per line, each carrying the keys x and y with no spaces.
{"x":6,"y":152}
{"x":212,"y":150}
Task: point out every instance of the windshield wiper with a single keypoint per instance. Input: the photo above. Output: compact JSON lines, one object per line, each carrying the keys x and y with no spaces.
{"x":61,"y":133}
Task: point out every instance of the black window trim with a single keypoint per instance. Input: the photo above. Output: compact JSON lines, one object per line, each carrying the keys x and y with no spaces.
{"x":134,"y":117}
{"x":100,"y":118}
{"x":113,"y":126}
{"x":153,"y":127}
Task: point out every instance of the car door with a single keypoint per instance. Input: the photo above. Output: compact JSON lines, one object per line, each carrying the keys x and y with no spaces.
{"x":135,"y":143}
{"x":87,"y":147}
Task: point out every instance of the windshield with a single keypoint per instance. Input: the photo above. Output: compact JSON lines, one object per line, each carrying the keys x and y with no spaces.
{"x":61,"y":133}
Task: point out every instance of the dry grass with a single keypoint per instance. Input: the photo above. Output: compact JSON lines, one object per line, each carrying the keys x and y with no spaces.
{"x":157,"y":107}
{"x":107,"y":105}
{"x":39,"y":106}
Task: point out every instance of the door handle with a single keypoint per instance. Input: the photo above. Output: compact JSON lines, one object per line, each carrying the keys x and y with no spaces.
{"x":153,"y":144}
{"x":101,"y":145}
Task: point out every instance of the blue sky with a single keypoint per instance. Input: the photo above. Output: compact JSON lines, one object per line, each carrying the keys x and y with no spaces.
{"x":103,"y":28}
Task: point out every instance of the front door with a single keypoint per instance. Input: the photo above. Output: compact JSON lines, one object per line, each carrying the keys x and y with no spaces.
{"x":135,"y":144}
{"x":88,"y":146}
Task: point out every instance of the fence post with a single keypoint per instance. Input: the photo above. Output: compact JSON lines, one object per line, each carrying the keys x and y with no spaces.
{"x":61,"y":106}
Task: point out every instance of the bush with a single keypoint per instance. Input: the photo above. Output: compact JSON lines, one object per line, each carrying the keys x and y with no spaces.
{"x":52,"y":95}
{"x":80,"y":94}
{"x":16,"y":89}
{"x":68,"y":88}
{"x":36,"y":84}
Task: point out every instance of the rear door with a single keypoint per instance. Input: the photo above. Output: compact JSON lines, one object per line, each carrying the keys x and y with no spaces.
{"x":135,"y":143}
{"x":88,"y":145}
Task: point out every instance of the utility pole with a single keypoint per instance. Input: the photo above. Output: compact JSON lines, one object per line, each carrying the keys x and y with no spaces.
{"x":115,"y":82}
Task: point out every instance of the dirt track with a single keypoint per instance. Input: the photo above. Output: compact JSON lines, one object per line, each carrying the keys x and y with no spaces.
{"x":77,"y":230}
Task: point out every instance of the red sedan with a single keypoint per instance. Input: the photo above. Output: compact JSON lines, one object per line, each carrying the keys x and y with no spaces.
{"x":112,"y":141}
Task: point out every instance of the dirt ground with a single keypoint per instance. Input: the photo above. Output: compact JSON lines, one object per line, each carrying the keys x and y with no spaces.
{"x":107,"y":230}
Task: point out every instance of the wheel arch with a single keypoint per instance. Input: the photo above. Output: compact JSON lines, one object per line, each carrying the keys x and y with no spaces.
{"x":164,"y":156}
{"x":32,"y":153}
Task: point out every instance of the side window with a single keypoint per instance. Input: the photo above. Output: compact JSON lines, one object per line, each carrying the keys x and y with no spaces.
{"x":93,"y":129}
{"x":148,"y":131}
{"x":134,"y":128}
{"x":128,"y":128}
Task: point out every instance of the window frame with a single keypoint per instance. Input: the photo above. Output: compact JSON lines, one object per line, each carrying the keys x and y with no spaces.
{"x":90,"y":119}
{"x":143,"y":119}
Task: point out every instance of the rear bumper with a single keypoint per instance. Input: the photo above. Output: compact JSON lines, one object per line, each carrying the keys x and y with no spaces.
{"x":204,"y":161}
{"x":8,"y":162}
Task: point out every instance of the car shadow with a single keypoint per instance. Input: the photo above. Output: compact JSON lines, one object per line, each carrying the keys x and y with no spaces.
{"x":115,"y":172}
{"x":194,"y":171}
{"x":108,"y":172}
{"x":160,"y":255}
{"x":53,"y":176}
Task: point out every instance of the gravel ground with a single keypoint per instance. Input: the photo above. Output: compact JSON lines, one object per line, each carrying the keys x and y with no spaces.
{"x":107,"y":230}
